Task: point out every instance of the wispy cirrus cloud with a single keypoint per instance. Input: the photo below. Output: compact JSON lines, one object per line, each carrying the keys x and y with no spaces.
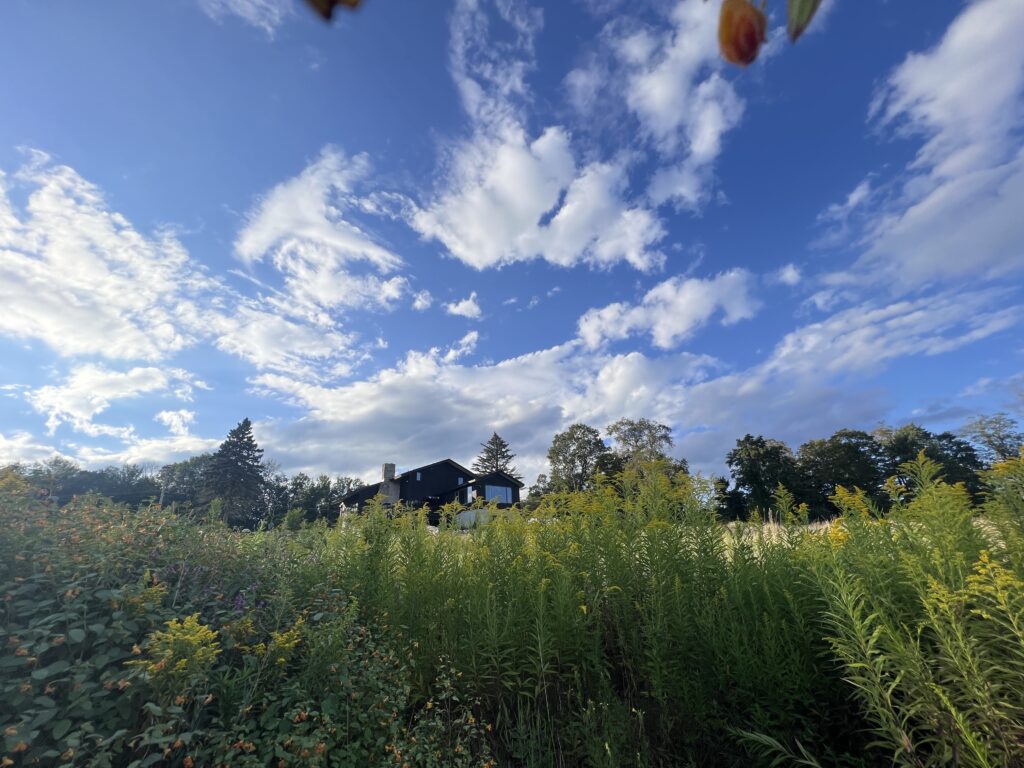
{"x":267,"y":15}
{"x":953,"y":213}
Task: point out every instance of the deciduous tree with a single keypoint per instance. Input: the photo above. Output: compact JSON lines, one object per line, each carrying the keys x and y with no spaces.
{"x":758,"y":466}
{"x":574,"y":456}
{"x":997,"y":437}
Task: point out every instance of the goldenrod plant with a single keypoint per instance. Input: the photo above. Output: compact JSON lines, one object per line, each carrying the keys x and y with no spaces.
{"x":621,"y":625}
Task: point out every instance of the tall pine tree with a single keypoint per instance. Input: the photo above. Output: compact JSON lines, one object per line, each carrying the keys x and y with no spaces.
{"x":496,"y":456}
{"x":236,"y":476}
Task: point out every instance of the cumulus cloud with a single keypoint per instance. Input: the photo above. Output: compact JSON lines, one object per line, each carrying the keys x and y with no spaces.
{"x":524,"y":398}
{"x":23,"y":447}
{"x":422,"y":300}
{"x":508,"y":195}
{"x":267,"y":15}
{"x":152,"y":450}
{"x":467,"y":307}
{"x":672,"y":310}
{"x":809,"y":384}
{"x":683,"y":104}
{"x":786,"y":275}
{"x":178,"y":422}
{"x":91,"y":389}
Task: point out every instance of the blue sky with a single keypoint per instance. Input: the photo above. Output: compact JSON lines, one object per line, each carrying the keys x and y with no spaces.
{"x":384,"y":238}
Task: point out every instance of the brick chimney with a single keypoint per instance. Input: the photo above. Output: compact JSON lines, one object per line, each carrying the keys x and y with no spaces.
{"x":389,"y":472}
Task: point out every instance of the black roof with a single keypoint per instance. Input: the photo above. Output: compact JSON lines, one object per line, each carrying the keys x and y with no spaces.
{"x":366,"y":488}
{"x":488,"y":476}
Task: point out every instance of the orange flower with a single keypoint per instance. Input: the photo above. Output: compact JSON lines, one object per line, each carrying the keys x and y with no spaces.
{"x":741,"y":30}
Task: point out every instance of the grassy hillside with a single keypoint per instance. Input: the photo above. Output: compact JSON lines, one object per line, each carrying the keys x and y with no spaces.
{"x":624,"y":626}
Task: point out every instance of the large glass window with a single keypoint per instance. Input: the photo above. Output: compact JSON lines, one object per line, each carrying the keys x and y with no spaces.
{"x":499,"y":493}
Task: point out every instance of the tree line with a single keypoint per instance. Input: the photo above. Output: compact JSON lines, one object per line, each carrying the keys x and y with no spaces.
{"x":235,"y":482}
{"x":580,"y":457}
{"x":238,"y":484}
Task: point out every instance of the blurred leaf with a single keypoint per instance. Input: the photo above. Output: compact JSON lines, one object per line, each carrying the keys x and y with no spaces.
{"x":326,"y":7}
{"x":800,"y":14}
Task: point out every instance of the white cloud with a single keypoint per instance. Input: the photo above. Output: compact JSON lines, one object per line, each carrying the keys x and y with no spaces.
{"x":685,"y":107}
{"x":155,"y":451}
{"x":958,"y":212}
{"x":422,"y":300}
{"x":22,"y":447}
{"x":507,"y":196}
{"x":865,"y":337}
{"x":787,"y":275}
{"x":672,"y":310}
{"x":304,"y":228}
{"x":806,"y":387}
{"x":525,"y":399}
{"x":267,"y":15}
{"x":464,"y":346}
{"x":78,"y":277}
{"x":90,"y":389}
{"x":468,"y":307}
{"x":178,"y":422}
{"x":270,"y":341}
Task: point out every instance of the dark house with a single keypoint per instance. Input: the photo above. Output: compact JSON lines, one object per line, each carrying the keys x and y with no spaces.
{"x":434,"y":485}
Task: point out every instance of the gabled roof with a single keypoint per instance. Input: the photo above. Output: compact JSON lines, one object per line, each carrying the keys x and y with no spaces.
{"x":489,"y":476}
{"x":361,"y":490}
{"x":468,"y":472}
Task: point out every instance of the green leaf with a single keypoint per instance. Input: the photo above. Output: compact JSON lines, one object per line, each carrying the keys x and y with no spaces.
{"x":800,"y":14}
{"x":60,"y":728}
{"x":76,"y":635}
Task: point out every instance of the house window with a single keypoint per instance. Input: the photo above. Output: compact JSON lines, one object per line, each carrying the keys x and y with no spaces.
{"x":470,"y":494}
{"x":499,"y":493}
{"x":419,"y":476}
{"x":461,"y":481}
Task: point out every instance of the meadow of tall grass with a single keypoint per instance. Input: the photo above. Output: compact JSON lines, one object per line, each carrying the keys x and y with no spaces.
{"x":624,"y":626}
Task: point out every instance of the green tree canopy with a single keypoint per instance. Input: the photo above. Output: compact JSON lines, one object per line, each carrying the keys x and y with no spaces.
{"x":574,"y":456}
{"x":957,"y":457}
{"x":850,"y":458}
{"x":758,"y":466}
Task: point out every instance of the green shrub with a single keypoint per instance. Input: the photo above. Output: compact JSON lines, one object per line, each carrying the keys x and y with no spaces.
{"x":622,"y":626}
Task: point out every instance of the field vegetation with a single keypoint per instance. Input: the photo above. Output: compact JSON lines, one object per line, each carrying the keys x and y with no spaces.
{"x":622,"y":625}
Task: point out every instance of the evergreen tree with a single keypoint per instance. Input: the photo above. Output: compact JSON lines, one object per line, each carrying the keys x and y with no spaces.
{"x":496,"y":456}
{"x":236,"y":476}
